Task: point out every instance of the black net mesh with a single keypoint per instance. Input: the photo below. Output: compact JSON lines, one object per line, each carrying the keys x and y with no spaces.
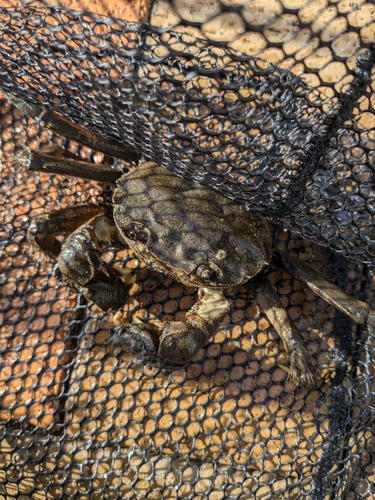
{"x":295,"y":138}
{"x":299,"y":149}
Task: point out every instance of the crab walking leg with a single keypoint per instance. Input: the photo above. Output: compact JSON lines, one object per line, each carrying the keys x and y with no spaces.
{"x":54,"y":160}
{"x":62,"y":126}
{"x":357,"y":310}
{"x":300,"y":360}
{"x":79,"y":257}
{"x":175,"y":342}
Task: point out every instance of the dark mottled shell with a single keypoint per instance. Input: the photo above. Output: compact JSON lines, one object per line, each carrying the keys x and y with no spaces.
{"x":179,"y":225}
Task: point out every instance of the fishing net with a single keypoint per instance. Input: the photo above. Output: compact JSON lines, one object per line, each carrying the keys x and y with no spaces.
{"x":270,"y":103}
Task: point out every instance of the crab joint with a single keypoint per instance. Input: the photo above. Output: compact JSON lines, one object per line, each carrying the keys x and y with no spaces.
{"x":209,"y":310}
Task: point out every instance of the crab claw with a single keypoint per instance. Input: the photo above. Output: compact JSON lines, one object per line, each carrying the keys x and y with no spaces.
{"x":167,"y":344}
{"x":141,"y":340}
{"x":180,"y":342}
{"x":174,"y":342}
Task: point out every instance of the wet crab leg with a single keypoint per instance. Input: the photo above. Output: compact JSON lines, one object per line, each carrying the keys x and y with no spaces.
{"x":300,"y":360}
{"x":54,"y":160}
{"x":357,"y":310}
{"x":62,"y":126}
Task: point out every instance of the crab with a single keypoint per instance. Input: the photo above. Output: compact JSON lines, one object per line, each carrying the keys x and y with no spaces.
{"x":182,"y":229}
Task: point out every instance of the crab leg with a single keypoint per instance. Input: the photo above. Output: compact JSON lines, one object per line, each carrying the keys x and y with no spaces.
{"x":300,"y":360}
{"x":62,"y":126}
{"x":357,"y":310}
{"x":54,"y":160}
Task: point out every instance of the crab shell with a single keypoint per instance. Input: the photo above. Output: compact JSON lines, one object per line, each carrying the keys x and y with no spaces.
{"x":188,"y":231}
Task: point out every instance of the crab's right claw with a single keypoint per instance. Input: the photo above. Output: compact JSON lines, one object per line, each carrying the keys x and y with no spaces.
{"x":180,"y":342}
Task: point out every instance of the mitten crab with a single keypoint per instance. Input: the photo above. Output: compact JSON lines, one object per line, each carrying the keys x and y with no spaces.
{"x":185,"y":230}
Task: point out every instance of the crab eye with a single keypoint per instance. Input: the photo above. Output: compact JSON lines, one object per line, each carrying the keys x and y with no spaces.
{"x":137,"y":232}
{"x":209,"y":272}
